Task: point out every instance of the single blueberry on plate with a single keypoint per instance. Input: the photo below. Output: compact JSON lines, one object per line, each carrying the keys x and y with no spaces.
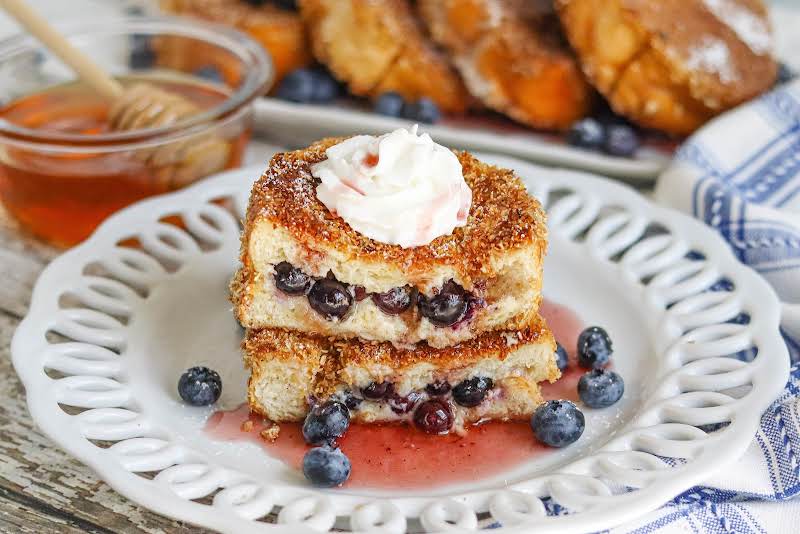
{"x":423,"y":110}
{"x":326,"y":467}
{"x":326,"y":87}
{"x":621,"y":140}
{"x":297,"y":86}
{"x":594,"y":348}
{"x":434,"y":416}
{"x":390,"y":104}
{"x":600,"y":388}
{"x":330,"y":298}
{"x":472,"y":391}
{"x":200,"y":386}
{"x":558,"y":423}
{"x":326,"y":422}
{"x":562,"y":360}
{"x":587,"y":133}
{"x":290,"y":279}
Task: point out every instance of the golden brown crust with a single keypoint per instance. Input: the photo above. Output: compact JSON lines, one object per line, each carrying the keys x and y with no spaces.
{"x":273,"y":342}
{"x":503,"y":218}
{"x":512,"y":57}
{"x":377,"y":46}
{"x":280,"y":32}
{"x":672,"y":65}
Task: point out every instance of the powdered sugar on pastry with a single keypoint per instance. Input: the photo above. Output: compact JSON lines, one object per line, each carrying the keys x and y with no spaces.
{"x":749,"y":27}
{"x":713,"y":56}
{"x":400,"y":188}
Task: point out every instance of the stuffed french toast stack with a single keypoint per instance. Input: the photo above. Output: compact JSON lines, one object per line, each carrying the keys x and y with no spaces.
{"x":396,"y":277}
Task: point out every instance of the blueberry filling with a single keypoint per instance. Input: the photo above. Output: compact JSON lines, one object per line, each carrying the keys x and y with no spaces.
{"x":434,"y":416}
{"x":378,"y":390}
{"x":401,"y":405}
{"x":291,"y":280}
{"x":330,"y":298}
{"x":333,"y":299}
{"x":471,"y":392}
{"x":446,"y":308}
{"x":432,"y":407}
{"x":439,"y":387}
{"x":395,"y":301}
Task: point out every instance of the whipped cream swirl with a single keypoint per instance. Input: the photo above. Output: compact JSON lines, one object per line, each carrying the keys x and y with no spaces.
{"x":400,"y":188}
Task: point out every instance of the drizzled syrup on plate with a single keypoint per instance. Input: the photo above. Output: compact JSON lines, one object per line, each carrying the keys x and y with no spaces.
{"x":402,"y":457}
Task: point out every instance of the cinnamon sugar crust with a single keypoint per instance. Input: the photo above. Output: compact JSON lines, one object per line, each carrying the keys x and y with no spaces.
{"x":503,"y":218}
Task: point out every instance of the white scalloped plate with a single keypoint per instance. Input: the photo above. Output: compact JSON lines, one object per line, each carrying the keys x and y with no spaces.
{"x":114,"y":321}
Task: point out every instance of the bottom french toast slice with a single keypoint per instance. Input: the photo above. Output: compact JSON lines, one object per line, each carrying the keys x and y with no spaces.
{"x":494,"y":376}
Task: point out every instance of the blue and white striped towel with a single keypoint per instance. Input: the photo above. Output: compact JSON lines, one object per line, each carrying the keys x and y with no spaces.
{"x":740,"y":174}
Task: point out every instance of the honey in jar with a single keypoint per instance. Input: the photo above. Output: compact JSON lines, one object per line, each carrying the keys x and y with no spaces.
{"x":74,"y":172}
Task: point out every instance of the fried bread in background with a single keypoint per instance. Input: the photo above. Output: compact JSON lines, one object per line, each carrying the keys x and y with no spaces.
{"x":672,"y":65}
{"x":279,"y":31}
{"x":375,"y":46}
{"x":512,"y":57}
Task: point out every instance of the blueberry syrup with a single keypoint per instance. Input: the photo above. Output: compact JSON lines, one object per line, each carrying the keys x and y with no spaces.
{"x":402,"y":457}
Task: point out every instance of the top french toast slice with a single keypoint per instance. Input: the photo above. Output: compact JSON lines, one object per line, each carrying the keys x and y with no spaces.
{"x":497,"y":257}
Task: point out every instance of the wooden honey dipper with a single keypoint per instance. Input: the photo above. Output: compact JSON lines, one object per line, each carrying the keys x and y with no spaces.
{"x":136,"y":107}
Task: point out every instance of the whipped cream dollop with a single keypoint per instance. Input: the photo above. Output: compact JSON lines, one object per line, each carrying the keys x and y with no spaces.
{"x":400,"y":188}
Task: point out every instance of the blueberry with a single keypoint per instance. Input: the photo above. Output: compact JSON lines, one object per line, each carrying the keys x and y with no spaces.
{"x":401,"y":405}
{"x":621,"y":140}
{"x":395,"y":301}
{"x":142,"y":55}
{"x":200,"y":386}
{"x":291,"y":280}
{"x":326,"y":467}
{"x":352,"y":402}
{"x":210,"y":73}
{"x":439,"y":387}
{"x":434,"y":416}
{"x":587,"y":133}
{"x":378,"y":390}
{"x":326,"y":422}
{"x":558,"y":423}
{"x":785,"y":74}
{"x":471,"y":392}
{"x":326,"y":87}
{"x":594,"y":348}
{"x":330,"y":298}
{"x":423,"y":110}
{"x":448,"y":307}
{"x":562,"y":360}
{"x":297,"y":86}
{"x":600,"y":388}
{"x":289,"y":5}
{"x":390,"y":104}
